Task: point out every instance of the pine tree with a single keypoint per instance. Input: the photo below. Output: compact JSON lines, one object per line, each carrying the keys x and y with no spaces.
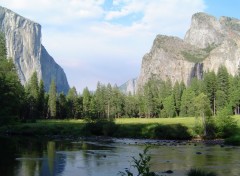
{"x":32,"y":91}
{"x":86,"y":102}
{"x":202,"y":108}
{"x":42,"y":104}
{"x":3,"y":49}
{"x":187,"y":108}
{"x":177,"y":94}
{"x":74,"y":103}
{"x":234,"y":92}
{"x":169,"y":106}
{"x":223,"y":82}
{"x":11,"y":90}
{"x":62,"y":106}
{"x":210,"y":89}
{"x":52,"y":101}
{"x":100,"y":100}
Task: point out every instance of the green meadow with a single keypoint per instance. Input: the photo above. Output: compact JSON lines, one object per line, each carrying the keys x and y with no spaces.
{"x":152,"y":128}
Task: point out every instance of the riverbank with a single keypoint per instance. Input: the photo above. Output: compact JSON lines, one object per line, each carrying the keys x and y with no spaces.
{"x":157,"y":128}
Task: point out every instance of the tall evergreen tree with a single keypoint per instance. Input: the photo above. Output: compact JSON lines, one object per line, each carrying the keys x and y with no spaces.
{"x":74,"y":103}
{"x":42,"y":104}
{"x":177,"y":94}
{"x":223,"y":81}
{"x":169,"y":106}
{"x":234,"y":92}
{"x":11,"y":90}
{"x":52,"y":101}
{"x":62,"y":109}
{"x":202,"y":108}
{"x":32,"y":91}
{"x":187,"y":108}
{"x":86,"y":102}
{"x":210,"y":89}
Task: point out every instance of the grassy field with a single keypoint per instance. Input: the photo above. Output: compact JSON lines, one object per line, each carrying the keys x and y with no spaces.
{"x":186,"y":121}
{"x":161,"y":128}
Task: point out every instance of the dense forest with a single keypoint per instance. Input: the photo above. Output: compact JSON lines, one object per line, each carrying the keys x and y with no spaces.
{"x":156,"y":99}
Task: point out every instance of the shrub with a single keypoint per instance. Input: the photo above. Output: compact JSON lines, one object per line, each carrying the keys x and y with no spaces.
{"x":198,"y":172}
{"x":100,"y":127}
{"x":142,"y":165}
{"x":225,"y":124}
{"x":234,"y":140}
{"x":176,"y":131}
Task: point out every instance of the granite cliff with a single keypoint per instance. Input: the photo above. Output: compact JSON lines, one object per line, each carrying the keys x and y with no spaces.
{"x":23,"y":41}
{"x":208,"y":44}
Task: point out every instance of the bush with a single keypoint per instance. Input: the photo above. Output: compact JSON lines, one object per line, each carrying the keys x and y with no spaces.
{"x":175,"y":131}
{"x":142,"y":165}
{"x":100,"y":127}
{"x":225,"y":124}
{"x":8,"y":120}
{"x":198,"y":172}
{"x":235,"y":140}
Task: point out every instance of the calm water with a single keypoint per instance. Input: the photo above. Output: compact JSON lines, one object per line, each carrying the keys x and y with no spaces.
{"x":41,"y":157}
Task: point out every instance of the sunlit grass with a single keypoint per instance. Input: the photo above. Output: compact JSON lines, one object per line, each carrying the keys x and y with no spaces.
{"x":187,"y":121}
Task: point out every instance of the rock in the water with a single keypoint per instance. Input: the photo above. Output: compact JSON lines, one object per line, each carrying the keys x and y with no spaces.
{"x":23,"y":41}
{"x":168,"y":172}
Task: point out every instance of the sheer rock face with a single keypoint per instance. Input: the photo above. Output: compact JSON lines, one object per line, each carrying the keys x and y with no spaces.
{"x":23,"y":41}
{"x":208,"y":44}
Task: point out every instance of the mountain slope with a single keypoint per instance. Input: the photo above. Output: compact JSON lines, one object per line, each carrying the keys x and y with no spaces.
{"x":23,"y":40}
{"x":208,"y":44}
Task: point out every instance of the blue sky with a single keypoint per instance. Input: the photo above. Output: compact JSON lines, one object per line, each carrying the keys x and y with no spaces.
{"x":105,"y":40}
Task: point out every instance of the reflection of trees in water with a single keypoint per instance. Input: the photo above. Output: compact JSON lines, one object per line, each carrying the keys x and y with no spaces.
{"x":30,"y":156}
{"x":54,"y":163}
{"x":7,"y":154}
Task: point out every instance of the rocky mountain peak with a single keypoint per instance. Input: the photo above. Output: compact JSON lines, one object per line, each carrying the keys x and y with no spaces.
{"x":205,"y":30}
{"x":23,"y":41}
{"x":208,"y":44}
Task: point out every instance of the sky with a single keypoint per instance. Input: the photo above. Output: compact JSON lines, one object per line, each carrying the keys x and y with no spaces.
{"x":105,"y":40}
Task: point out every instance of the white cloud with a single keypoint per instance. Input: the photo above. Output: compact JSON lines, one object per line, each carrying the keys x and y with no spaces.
{"x":90,"y":41}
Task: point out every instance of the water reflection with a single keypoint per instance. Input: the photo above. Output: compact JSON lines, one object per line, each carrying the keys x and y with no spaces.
{"x":42,"y":157}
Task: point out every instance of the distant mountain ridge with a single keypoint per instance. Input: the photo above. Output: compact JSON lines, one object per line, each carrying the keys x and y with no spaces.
{"x":129,"y":86}
{"x":208,"y":44}
{"x":23,"y":41}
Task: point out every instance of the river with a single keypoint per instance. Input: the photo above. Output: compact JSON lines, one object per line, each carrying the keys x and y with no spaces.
{"x":25,"y":156}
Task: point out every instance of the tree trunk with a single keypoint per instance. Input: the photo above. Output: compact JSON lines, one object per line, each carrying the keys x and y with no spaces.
{"x":108,"y":110}
{"x":214,"y":106}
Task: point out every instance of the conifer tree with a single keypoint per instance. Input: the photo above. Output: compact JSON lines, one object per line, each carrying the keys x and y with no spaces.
{"x":11,"y":90}
{"x":52,"y":101}
{"x":187,"y":108}
{"x":86,"y":102}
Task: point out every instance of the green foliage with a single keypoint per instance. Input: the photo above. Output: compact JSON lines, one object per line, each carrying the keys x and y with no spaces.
{"x":225,"y":124}
{"x":210,"y":89}
{"x":52,"y":101}
{"x":169,"y":106}
{"x":11,"y":90}
{"x":3,"y":49}
{"x":187,"y":108}
{"x":234,"y":140}
{"x":194,"y":56}
{"x":199,"y":172}
{"x":100,"y":127}
{"x":173,"y":131}
{"x":198,"y":55}
{"x":86,"y":102}
{"x":142,"y":165}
